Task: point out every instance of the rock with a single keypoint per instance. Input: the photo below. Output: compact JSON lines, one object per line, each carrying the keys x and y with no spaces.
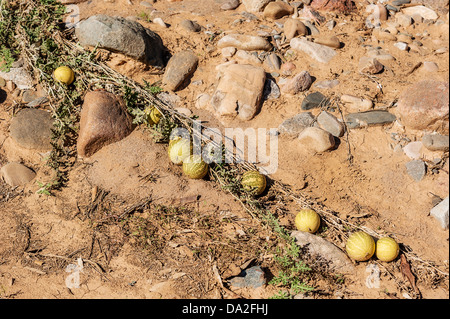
{"x":379,"y":54}
{"x":32,"y":129}
{"x":332,"y":42}
{"x":271,"y":90}
{"x":230,"y":5}
{"x":425,"y":105}
{"x":245,"y":57}
{"x":202,"y":101}
{"x":331,"y":124}
{"x":356,"y":104}
{"x":190,"y":25}
{"x":287,"y":68}
{"x":370,"y":65}
{"x":440,"y":212}
{"x":301,"y":82}
{"x":277,"y":10}
{"x":424,"y":12}
{"x":316,"y":139}
{"x":314,"y":100}
{"x":124,"y":36}
{"x":160,"y":22}
{"x":293,"y":28}
{"x":239,"y":91}
{"x":253,"y":277}
{"x":403,"y":20}
{"x":316,"y":51}
{"x":412,"y":150}
{"x":20,"y":77}
{"x":103,"y":120}
{"x":312,"y":29}
{"x":228,"y":52}
{"x":16,"y":174}
{"x":179,"y":68}
{"x":341,"y":6}
{"x":436,"y":142}
{"x":402,"y":46}
{"x":2,"y":82}
{"x":336,"y":259}
{"x":383,"y":35}
{"x":326,"y":84}
{"x":255,"y":5}
{"x":272,"y":62}
{"x":362,"y":119}
{"x":416,"y":169}
{"x":244,"y":42}
{"x":430,"y":66}
{"x":296,"y":124}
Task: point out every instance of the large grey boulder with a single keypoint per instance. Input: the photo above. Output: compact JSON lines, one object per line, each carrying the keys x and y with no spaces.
{"x":124,"y":36}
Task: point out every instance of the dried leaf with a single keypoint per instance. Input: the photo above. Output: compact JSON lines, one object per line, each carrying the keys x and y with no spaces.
{"x":406,"y":272}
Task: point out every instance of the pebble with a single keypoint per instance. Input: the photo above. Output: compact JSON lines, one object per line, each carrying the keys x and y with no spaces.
{"x":412,"y":150}
{"x":277,"y":10}
{"x":179,"y":68}
{"x":362,"y":119}
{"x":312,"y":28}
{"x":244,"y":42}
{"x":356,"y":104}
{"x":255,"y":5}
{"x":314,"y":100}
{"x":253,"y":277}
{"x":296,"y":124}
{"x":230,"y":5}
{"x":316,"y":51}
{"x":16,"y":174}
{"x":271,"y":90}
{"x":272,"y":62}
{"x":287,"y":68}
{"x":326,"y":84}
{"x":402,"y":46}
{"x":293,"y":28}
{"x":228,"y":52}
{"x":316,"y":139}
{"x":301,"y":82}
{"x":441,"y":213}
{"x":416,"y":169}
{"x":190,"y":25}
{"x":424,"y":12}
{"x":370,"y":65}
{"x":436,"y":142}
{"x":430,"y":66}
{"x":245,"y":57}
{"x":331,"y":124}
{"x":332,"y":42}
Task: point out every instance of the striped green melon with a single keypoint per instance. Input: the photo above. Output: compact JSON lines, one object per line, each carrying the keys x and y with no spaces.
{"x":194,"y":167}
{"x":360,"y":246}
{"x":253,"y":182}
{"x":179,"y":150}
{"x":153,"y":115}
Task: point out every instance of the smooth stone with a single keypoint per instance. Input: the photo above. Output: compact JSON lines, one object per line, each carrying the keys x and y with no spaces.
{"x":311,"y":28}
{"x":332,"y":42}
{"x":230,"y":5}
{"x":16,"y":174}
{"x":316,"y":139}
{"x":293,"y":28}
{"x":361,"y":119}
{"x":123,"y":36}
{"x":287,"y":68}
{"x":32,"y":129}
{"x":326,"y":84}
{"x":277,"y":10}
{"x":314,"y":100}
{"x":425,"y":105}
{"x":255,"y":5}
{"x":179,"y":68}
{"x":331,"y":124}
{"x":244,"y":42}
{"x":296,"y":124}
{"x":370,"y":65}
{"x":430,"y":66}
{"x":403,"y":20}
{"x":245,"y":57}
{"x":272,"y":62}
{"x":355,"y":104}
{"x":424,"y":12}
{"x":416,"y":169}
{"x":316,"y":51}
{"x":412,"y":150}
{"x":103,"y":120}
{"x":400,"y":2}
{"x":160,"y":22}
{"x":383,"y":35}
{"x":441,"y":213}
{"x":402,"y":46}
{"x":190,"y":25}
{"x":436,"y":142}
{"x":228,"y":52}
{"x":301,"y":82}
{"x":334,"y":257}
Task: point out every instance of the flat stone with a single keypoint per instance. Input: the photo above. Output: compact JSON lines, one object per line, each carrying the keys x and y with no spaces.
{"x":331,"y":124}
{"x":314,"y":100}
{"x":103,"y":120}
{"x":316,"y":139}
{"x":295,"y":125}
{"x":335,"y":258}
{"x":416,"y":169}
{"x":32,"y":129}
{"x":316,"y":51}
{"x":436,"y":142}
{"x":441,"y":213}
{"x":244,"y":42}
{"x":370,"y":118}
{"x":179,"y":68}
{"x":16,"y":174}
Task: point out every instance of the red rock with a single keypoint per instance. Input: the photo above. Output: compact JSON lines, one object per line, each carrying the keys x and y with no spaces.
{"x":425,"y":105}
{"x":343,"y":6}
{"x":104,"y":120}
